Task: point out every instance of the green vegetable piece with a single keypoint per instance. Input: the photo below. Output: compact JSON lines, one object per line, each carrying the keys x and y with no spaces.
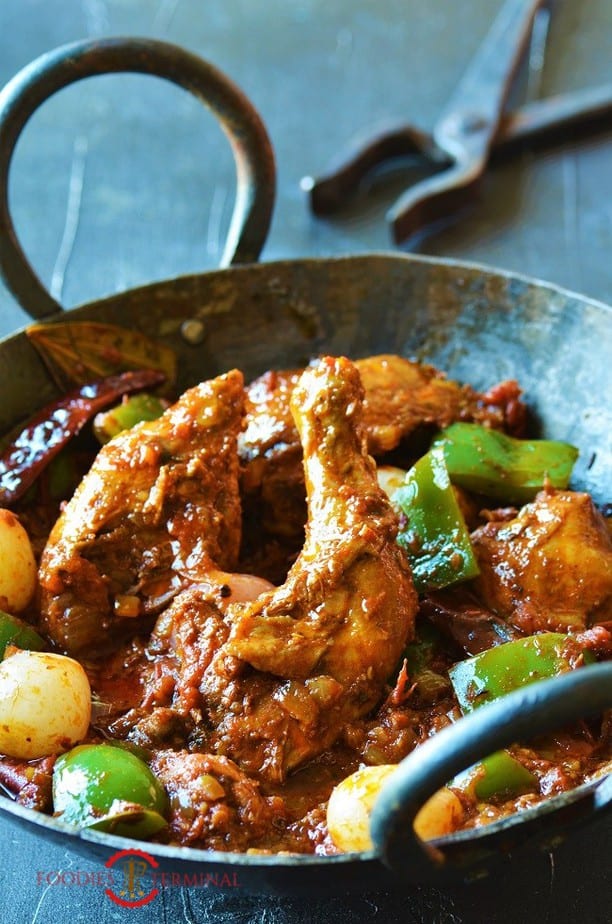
{"x":420,"y":652}
{"x":504,"y":668}
{"x":110,"y":789}
{"x":14,"y":631}
{"x":63,"y":474}
{"x":435,"y":536}
{"x":145,"y":754}
{"x":128,"y":819}
{"x":132,"y":410}
{"x":499,"y":466}
{"x":499,"y":775}
{"x":420,"y":655}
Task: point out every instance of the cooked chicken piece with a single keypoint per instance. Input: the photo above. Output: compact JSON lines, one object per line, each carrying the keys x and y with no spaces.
{"x":213,"y":804}
{"x":158,"y":506}
{"x":550,"y":567}
{"x":400,"y":396}
{"x":349,"y":554}
{"x":277,"y":679}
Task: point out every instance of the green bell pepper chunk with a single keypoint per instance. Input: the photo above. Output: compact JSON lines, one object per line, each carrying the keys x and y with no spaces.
{"x":420,"y":652}
{"x":490,"y":462}
{"x":420,"y":655}
{"x":110,"y":789}
{"x":14,"y":631}
{"x":434,"y":535}
{"x":505,"y":668}
{"x":499,"y":775}
{"x":132,"y":410}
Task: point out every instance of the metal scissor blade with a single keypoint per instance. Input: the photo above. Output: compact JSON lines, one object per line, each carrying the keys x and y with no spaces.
{"x":470,"y":119}
{"x":469,"y":122}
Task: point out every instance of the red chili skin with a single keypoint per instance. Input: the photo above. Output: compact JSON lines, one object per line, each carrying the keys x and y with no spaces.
{"x":28,"y":781}
{"x":49,"y":430}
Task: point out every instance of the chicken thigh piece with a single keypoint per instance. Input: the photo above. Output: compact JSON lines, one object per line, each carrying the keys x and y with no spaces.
{"x":401,"y":395}
{"x":549,"y":568}
{"x":158,"y":506}
{"x":301,"y":661}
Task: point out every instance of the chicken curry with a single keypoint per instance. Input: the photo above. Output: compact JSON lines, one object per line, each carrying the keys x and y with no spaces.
{"x":255,"y":604}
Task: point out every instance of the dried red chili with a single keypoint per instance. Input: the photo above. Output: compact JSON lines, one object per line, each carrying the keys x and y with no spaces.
{"x":46,"y":433}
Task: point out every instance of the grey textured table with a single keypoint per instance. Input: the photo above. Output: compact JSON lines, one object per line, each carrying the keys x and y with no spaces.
{"x":122,"y":180}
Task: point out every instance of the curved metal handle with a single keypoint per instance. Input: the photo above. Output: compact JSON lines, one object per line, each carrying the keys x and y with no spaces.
{"x":537,"y":708}
{"x":243,"y":126}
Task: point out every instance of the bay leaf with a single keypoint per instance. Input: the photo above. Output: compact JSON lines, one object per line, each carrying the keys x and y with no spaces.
{"x":75,"y":352}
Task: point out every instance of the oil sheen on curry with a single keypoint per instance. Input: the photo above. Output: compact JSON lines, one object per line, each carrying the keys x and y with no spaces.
{"x":227,"y":618}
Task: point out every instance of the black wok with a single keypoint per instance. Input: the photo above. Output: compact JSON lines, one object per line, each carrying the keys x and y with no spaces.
{"x":479,"y":325}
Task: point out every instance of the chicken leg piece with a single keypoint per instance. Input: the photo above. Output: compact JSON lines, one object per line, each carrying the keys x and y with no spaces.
{"x":400,"y":397}
{"x":303,"y":660}
{"x":159,"y":505}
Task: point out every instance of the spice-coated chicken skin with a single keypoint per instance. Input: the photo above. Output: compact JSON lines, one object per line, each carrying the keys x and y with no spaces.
{"x":400,"y":396}
{"x":550,"y":567}
{"x":349,"y":555}
{"x":300,"y":661}
{"x":158,"y":505}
